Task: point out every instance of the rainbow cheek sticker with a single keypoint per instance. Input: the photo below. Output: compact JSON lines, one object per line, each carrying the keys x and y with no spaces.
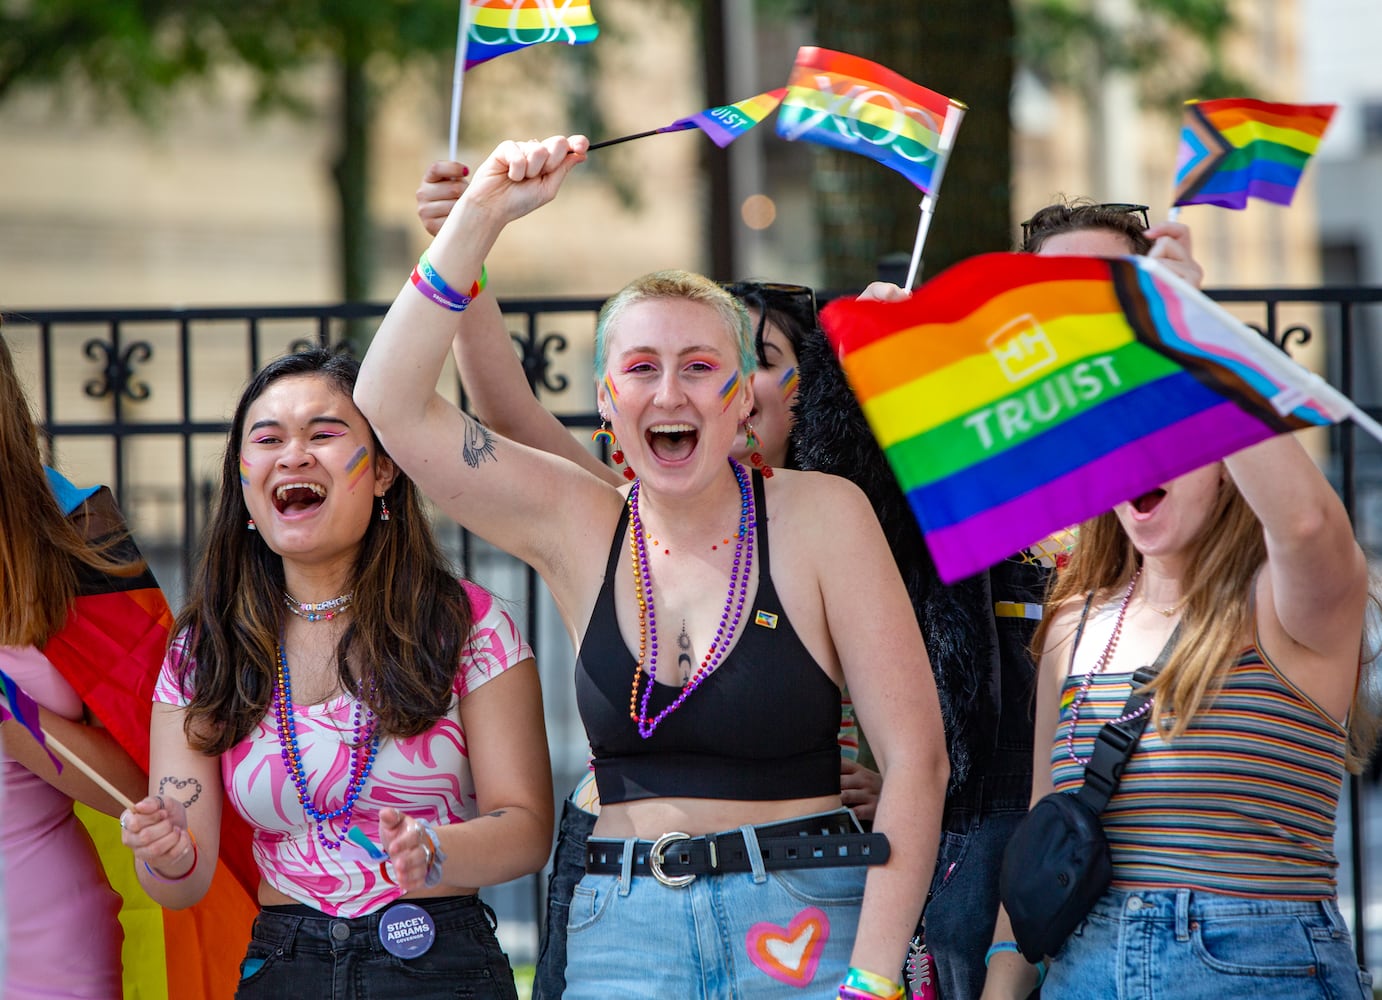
{"x":729,"y":390}
{"x":613,"y":395}
{"x":790,"y":956}
{"x":244,"y":472}
{"x":355,"y":468}
{"x":788,"y":383}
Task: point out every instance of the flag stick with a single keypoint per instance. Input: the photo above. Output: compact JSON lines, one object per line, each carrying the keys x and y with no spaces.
{"x":458,"y":76}
{"x":54,"y":743}
{"x":639,"y":135}
{"x":949,"y":128}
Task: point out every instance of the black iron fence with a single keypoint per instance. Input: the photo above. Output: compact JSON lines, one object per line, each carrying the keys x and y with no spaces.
{"x":140,"y":399}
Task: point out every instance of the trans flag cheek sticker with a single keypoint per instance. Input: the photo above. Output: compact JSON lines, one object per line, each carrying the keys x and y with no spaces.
{"x":790,"y":956}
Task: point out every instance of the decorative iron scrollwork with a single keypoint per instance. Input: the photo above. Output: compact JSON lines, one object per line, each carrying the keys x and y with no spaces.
{"x":117,"y":374}
{"x":1296,"y":335}
{"x":537,"y":366}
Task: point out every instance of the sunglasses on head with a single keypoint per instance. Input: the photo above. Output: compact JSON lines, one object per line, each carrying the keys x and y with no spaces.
{"x":770,"y":294}
{"x":1055,"y":215}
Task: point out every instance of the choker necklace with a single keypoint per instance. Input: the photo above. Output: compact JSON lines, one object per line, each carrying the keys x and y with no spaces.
{"x":1098,"y":668}
{"x":647,"y":617}
{"x":364,"y":747}
{"x":322,"y":612}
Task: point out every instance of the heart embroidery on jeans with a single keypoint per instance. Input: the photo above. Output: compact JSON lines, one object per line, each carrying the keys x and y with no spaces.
{"x":790,"y":956}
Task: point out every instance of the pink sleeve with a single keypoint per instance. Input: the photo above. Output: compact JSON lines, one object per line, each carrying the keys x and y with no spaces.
{"x":495,"y":643}
{"x":166,"y":688}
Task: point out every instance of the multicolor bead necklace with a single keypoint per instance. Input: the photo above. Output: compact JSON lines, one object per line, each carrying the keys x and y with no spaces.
{"x":1098,"y":668}
{"x":322,"y":612}
{"x":365,"y":748}
{"x":739,"y":574}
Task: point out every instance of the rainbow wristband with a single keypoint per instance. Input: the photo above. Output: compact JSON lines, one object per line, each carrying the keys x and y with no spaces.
{"x":861,"y":984}
{"x":999,"y":947}
{"x":430,"y":275}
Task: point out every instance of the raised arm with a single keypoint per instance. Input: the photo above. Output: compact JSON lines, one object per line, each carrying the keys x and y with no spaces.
{"x":875,"y":633}
{"x":1314,"y":592}
{"x":491,"y":372}
{"x":527,"y":502}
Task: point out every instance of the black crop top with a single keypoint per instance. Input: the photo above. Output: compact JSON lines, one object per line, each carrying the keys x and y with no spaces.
{"x":763,"y":726}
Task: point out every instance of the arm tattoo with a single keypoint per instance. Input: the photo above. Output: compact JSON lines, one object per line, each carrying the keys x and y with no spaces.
{"x":181,"y":786}
{"x":478,"y":444}
{"x":497,"y":813}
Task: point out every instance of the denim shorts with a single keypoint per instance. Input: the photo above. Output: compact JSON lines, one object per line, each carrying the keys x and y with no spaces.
{"x":299,"y":952}
{"x":1185,"y":944}
{"x":568,"y":868}
{"x":758,"y":935}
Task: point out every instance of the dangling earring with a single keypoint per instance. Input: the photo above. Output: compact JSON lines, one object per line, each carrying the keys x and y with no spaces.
{"x":249,"y":525}
{"x":383,"y":508}
{"x":756,"y":457}
{"x":604,"y":434}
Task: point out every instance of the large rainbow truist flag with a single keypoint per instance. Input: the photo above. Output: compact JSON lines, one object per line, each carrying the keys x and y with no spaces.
{"x":1015,"y":395}
{"x":1237,"y":148}
{"x":840,"y":100}
{"x":498,"y":27}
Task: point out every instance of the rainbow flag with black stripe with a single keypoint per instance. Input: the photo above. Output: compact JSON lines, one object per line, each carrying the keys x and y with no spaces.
{"x":110,"y":649}
{"x":1015,"y":394}
{"x":498,"y":27}
{"x":1237,"y":148}
{"x":840,"y":100}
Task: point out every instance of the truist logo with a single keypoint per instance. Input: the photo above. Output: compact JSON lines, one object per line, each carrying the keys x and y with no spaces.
{"x":1021,"y":348}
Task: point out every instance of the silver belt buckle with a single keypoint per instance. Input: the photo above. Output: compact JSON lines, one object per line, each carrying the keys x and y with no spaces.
{"x":655,"y":856}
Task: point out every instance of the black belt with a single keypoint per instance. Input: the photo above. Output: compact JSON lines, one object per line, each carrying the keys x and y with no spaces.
{"x":675,"y":859}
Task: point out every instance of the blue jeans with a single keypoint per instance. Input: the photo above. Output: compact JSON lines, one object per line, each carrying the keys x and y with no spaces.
{"x":568,"y":868}
{"x":299,"y":952}
{"x":780,"y":935}
{"x":1188,"y":945}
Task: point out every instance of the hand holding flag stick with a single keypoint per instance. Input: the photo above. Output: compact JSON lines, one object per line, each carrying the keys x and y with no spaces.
{"x":22,"y":708}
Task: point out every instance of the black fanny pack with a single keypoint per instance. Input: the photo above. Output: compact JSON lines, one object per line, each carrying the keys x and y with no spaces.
{"x":1057,"y":863}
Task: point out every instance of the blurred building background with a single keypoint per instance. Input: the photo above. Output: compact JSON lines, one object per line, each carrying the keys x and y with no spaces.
{"x":215,"y":206}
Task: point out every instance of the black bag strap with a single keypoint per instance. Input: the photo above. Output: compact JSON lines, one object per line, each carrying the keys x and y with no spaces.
{"x":1117,"y":740}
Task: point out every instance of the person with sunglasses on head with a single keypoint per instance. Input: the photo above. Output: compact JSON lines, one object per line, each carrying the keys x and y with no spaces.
{"x":722,"y":848}
{"x":784,"y":316}
{"x":1246,"y":576}
{"x":374,"y":719}
{"x":985,"y":671}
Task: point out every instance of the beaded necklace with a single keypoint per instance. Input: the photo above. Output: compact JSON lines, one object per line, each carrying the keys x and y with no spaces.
{"x":364,"y":749}
{"x":321,"y":612}
{"x":1098,"y":668}
{"x":647,"y":616}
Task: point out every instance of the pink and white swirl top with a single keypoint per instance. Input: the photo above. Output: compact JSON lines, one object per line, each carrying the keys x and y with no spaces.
{"x":427,"y":777}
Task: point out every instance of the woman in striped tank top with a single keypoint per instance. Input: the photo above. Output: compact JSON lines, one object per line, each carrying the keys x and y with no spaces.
{"x":1222,"y":828}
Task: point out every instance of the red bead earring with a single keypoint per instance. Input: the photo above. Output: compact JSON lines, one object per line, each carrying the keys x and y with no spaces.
{"x":755,"y":456}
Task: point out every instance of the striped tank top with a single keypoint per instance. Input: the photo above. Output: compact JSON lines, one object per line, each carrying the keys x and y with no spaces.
{"x":1242,"y":803}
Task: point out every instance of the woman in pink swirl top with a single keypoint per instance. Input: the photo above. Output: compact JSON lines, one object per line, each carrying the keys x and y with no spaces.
{"x":377,"y":722}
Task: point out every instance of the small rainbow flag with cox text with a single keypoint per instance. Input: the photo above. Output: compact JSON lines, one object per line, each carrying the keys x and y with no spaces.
{"x":728,"y":122}
{"x":840,"y":100}
{"x":498,"y":27}
{"x":1237,"y":148}
{"x":1015,"y":395}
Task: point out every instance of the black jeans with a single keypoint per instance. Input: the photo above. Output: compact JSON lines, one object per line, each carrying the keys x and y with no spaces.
{"x":568,"y":866}
{"x":299,"y":952}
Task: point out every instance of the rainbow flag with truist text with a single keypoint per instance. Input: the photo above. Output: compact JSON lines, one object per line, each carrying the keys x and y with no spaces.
{"x":728,"y":122}
{"x":498,"y":27}
{"x":1236,"y":148}
{"x":1015,"y":395}
{"x":840,"y":100}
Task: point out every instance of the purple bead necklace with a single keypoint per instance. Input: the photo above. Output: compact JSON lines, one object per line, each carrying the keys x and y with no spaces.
{"x":365,"y":748}
{"x":740,"y":571}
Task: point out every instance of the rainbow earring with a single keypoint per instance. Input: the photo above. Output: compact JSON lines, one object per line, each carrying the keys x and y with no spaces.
{"x":605,"y":435}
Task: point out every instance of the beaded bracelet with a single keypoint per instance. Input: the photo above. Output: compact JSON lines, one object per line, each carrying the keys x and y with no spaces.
{"x":164,"y":878}
{"x":998,"y":947}
{"x":433,"y":877}
{"x":861,"y":984}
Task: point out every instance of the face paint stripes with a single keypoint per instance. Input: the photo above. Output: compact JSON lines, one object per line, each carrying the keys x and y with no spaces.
{"x":729,"y":390}
{"x":244,"y":472}
{"x":356,"y":467}
{"x":788,"y":383}
{"x":613,"y":395}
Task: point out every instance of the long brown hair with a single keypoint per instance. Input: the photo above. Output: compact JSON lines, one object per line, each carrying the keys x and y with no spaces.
{"x":410,"y":615}
{"x":1223,"y":561}
{"x":41,"y":548}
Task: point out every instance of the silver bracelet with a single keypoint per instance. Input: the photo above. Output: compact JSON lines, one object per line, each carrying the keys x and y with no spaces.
{"x":438,"y":856}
